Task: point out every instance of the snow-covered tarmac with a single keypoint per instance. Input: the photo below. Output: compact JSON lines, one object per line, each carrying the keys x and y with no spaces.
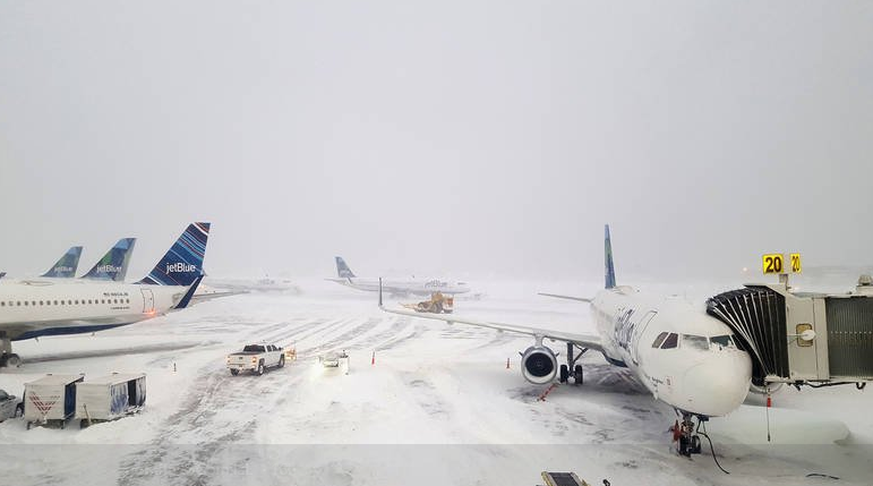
{"x":438,"y":406}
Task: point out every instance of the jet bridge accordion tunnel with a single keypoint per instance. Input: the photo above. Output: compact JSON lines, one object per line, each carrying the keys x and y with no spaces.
{"x":801,"y":338}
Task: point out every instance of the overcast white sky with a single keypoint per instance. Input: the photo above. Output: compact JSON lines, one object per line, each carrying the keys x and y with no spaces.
{"x":451,"y":138}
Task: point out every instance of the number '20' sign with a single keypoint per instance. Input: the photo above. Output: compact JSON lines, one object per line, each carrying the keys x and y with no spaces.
{"x":775,"y":263}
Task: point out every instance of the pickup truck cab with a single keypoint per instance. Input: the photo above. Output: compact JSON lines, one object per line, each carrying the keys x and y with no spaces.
{"x":10,"y":406}
{"x":256,"y":358}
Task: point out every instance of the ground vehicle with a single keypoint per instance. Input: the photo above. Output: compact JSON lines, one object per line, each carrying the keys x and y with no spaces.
{"x":10,"y":406}
{"x":50,"y":400}
{"x":110,"y":397}
{"x":437,"y":304}
{"x":256,"y":358}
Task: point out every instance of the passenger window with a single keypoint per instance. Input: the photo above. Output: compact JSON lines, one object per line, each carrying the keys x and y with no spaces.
{"x":671,"y":342}
{"x":25,"y":302}
{"x":56,"y":302}
{"x":700,"y":343}
{"x":659,"y":340}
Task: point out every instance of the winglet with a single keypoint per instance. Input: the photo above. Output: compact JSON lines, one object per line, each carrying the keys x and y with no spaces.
{"x":189,"y":294}
{"x":66,"y":266}
{"x":610,"y":268}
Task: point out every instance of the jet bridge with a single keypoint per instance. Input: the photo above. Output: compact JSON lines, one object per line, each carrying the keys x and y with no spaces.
{"x":802,"y":338}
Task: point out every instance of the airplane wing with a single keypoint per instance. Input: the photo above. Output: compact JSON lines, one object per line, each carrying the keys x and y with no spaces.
{"x":568,"y":297}
{"x":586,"y":341}
{"x":215,"y":294}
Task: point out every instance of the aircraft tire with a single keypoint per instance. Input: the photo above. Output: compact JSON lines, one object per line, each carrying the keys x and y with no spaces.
{"x":577,"y":374}
{"x":564,"y":374}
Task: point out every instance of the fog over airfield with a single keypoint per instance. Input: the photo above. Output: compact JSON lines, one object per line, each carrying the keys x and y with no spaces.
{"x":488,"y":139}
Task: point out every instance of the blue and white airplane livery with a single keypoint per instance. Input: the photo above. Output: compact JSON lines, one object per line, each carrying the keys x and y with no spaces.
{"x":413,"y":286}
{"x":34,"y":308}
{"x":684,"y":357}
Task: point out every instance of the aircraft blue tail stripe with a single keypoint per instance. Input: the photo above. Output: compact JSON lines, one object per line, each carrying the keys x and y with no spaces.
{"x":183,"y":263}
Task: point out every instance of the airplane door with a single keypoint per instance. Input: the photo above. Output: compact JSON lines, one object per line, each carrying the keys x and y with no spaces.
{"x":148,"y":301}
{"x":641,"y":329}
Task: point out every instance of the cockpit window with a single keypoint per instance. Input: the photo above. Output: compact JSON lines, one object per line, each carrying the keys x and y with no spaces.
{"x":721,"y":342}
{"x":691,"y":341}
{"x":659,"y":340}
{"x":671,"y":341}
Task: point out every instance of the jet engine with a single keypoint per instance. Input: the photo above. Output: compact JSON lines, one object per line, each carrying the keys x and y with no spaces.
{"x":539,"y":365}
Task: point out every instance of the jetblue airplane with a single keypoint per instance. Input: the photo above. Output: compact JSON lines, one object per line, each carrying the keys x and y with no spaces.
{"x":113,"y":266}
{"x":34,"y":308}
{"x":684,"y":357}
{"x":66,"y":266}
{"x":424,"y":287}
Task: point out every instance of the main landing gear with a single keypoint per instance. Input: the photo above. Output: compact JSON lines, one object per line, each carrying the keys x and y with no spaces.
{"x":7,"y":357}
{"x":685,"y":434}
{"x":564,"y":375}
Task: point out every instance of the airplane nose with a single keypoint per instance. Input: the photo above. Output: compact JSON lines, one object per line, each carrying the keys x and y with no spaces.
{"x":719,"y":384}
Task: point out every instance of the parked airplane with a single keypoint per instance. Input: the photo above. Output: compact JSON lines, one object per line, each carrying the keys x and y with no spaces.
{"x":412,"y":286}
{"x":684,"y":357}
{"x":34,"y":308}
{"x":66,"y":266}
{"x":113,"y":266}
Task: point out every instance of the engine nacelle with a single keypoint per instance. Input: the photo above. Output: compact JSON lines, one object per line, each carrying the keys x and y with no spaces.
{"x":539,"y":365}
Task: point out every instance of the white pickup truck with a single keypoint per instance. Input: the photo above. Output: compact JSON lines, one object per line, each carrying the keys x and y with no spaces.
{"x":256,"y":358}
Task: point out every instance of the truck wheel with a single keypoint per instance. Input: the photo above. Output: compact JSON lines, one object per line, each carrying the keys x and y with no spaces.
{"x":282,"y":361}
{"x":234,"y":372}
{"x":13,"y":361}
{"x":83,"y":424}
{"x":29,"y":425}
{"x":260,"y":370}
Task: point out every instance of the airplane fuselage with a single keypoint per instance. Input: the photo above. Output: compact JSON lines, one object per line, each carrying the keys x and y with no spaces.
{"x":683,"y":356}
{"x":40,"y":307}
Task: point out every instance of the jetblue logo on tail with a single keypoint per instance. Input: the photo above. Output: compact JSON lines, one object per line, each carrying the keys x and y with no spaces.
{"x":183,"y":264}
{"x":64,"y":269}
{"x":181,"y":268}
{"x":108,"y":269}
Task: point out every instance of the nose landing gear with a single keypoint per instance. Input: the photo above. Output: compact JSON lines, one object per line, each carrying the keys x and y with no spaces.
{"x":685,"y":435}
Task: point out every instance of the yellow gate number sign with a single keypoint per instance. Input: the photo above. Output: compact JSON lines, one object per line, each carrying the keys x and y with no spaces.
{"x":773,"y":263}
{"x":795,"y":263}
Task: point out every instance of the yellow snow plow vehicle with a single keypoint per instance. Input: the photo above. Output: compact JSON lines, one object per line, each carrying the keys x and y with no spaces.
{"x":438,"y":304}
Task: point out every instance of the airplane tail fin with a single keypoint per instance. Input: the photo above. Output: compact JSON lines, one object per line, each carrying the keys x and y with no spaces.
{"x":342,"y":268}
{"x":113,"y":265}
{"x":183,"y":263}
{"x":610,"y":268}
{"x":66,"y":266}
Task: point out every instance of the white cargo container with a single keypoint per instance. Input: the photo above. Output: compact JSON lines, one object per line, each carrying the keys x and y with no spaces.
{"x":110,"y":397}
{"x":51,"y":399}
